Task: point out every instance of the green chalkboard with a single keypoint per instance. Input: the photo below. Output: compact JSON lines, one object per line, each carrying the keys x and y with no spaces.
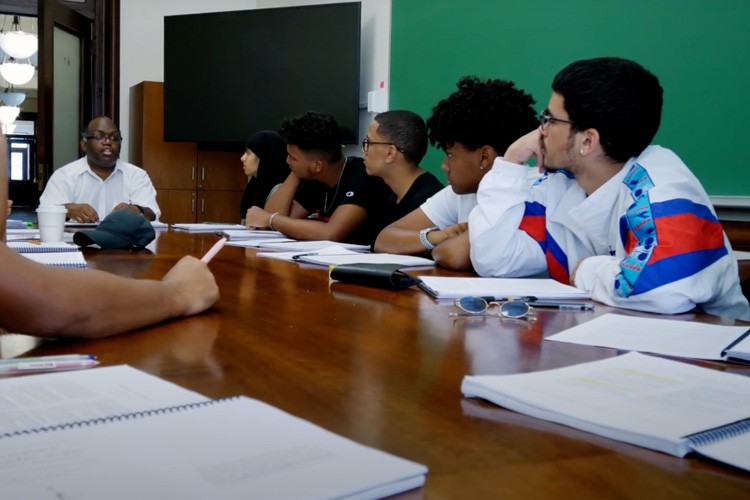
{"x":699,"y":49}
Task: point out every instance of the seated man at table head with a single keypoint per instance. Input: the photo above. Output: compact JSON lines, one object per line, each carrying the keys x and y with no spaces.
{"x":99,"y":183}
{"x":621,"y":219}
{"x":395,"y":144}
{"x":264,"y":162}
{"x":327,"y":196}
{"x":55,"y":302}
{"x":472,"y":126}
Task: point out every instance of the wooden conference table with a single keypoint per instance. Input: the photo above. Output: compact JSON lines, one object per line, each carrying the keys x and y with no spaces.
{"x":384,"y":368}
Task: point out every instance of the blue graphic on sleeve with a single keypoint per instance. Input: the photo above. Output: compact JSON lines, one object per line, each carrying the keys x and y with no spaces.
{"x":640,"y":220}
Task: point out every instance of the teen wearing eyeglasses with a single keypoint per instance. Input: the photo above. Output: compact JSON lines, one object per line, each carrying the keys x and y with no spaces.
{"x":99,"y":183}
{"x":623,"y":220}
{"x":395,"y":144}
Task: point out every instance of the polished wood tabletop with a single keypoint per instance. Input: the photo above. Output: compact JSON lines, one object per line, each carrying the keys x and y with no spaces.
{"x":384,"y":368}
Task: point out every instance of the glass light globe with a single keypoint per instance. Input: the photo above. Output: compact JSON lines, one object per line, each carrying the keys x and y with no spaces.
{"x":8,"y":114}
{"x":17,"y":73}
{"x":12,"y":98}
{"x":19,"y":44}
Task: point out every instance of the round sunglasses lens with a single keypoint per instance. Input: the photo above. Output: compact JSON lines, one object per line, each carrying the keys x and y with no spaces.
{"x":514,"y":309}
{"x":472,"y":304}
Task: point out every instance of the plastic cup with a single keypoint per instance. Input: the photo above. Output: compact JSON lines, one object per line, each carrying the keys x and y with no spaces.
{"x":51,"y":223}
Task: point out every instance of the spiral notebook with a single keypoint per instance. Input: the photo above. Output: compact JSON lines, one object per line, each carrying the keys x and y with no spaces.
{"x":187,"y":447}
{"x":656,"y":403}
{"x":26,"y":247}
{"x":58,"y":259}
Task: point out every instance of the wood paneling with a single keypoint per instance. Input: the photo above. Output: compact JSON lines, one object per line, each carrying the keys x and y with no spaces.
{"x":201,"y":185}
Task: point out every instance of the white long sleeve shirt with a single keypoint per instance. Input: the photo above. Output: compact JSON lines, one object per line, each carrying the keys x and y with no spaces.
{"x":648,"y":239}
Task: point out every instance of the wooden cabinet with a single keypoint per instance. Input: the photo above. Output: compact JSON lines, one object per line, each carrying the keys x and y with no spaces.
{"x":192,"y":184}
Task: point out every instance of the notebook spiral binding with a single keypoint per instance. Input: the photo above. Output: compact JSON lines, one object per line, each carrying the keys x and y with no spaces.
{"x":115,"y":418}
{"x":23,"y":247}
{"x":719,"y":433}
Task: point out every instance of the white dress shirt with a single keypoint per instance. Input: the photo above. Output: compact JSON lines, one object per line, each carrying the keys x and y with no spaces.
{"x":77,"y":183}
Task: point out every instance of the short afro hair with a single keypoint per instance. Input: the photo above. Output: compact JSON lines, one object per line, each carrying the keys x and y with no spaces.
{"x":482,"y":112}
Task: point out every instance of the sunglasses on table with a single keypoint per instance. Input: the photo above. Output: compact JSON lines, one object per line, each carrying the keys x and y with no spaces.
{"x":479,"y":306}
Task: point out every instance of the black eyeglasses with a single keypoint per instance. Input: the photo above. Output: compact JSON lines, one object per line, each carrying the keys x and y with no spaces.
{"x":545,"y":118}
{"x":478,"y":306}
{"x":367,"y":143}
{"x":101,"y":137}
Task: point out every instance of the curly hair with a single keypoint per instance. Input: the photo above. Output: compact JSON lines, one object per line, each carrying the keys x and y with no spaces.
{"x":619,"y":98}
{"x":480,"y":113}
{"x":314,"y":132}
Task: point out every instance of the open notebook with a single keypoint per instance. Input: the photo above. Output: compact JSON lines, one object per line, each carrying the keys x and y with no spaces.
{"x":126,"y":434}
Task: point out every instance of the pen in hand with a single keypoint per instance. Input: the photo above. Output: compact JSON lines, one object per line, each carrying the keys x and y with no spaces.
{"x":214,"y":250}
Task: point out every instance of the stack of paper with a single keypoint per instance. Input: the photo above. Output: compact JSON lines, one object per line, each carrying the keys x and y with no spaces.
{"x":207,"y":227}
{"x":443,"y":287}
{"x":336,"y":254}
{"x":21,"y":234}
{"x":252,"y":234}
{"x":685,"y":339}
{"x":656,"y":403}
{"x":253,"y":238}
{"x":310,"y":246}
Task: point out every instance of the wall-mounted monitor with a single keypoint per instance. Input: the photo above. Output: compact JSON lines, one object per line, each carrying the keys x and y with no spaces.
{"x":229,"y":74}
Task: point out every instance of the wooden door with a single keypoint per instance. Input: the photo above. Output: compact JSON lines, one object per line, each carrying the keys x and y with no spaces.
{"x":58,"y":22}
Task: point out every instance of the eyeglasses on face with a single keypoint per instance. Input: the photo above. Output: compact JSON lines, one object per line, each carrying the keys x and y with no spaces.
{"x":99,"y":137}
{"x":479,"y":306}
{"x":545,"y":118}
{"x":366,"y":143}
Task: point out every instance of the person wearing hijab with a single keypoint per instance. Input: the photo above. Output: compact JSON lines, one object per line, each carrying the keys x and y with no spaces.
{"x":264,"y":161}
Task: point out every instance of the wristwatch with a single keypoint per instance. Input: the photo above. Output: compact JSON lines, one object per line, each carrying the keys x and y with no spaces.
{"x":140,"y":209}
{"x":423,"y":237}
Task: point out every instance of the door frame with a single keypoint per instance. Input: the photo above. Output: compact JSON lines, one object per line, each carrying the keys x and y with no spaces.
{"x":100,"y":69}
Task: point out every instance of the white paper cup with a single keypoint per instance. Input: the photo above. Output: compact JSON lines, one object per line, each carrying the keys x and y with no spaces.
{"x":51,"y":223}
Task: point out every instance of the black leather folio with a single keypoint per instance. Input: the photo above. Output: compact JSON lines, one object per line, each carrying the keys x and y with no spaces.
{"x":375,"y":275}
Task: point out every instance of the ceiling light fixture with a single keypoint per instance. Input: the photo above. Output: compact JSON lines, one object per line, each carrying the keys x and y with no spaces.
{"x":16,"y":43}
{"x":15,"y":72}
{"x":11,"y":98}
{"x":8,"y":114}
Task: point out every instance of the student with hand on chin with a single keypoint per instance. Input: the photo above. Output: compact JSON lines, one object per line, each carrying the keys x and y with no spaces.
{"x":615,"y":216}
{"x":472,"y":126}
{"x":327,"y":196}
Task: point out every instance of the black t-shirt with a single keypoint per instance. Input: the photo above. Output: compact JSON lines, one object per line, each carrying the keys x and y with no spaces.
{"x":354,"y":188}
{"x":422,"y":188}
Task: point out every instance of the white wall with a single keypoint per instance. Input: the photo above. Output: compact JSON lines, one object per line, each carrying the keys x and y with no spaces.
{"x":142,"y":43}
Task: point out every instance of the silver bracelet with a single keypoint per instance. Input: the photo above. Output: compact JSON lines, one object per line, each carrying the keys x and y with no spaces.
{"x":423,"y":237}
{"x":270,"y":220}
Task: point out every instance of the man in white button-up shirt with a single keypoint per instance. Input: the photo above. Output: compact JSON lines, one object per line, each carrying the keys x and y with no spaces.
{"x":99,"y":183}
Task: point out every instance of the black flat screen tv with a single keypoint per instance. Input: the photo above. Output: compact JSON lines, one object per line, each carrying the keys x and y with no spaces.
{"x":229,"y":74}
